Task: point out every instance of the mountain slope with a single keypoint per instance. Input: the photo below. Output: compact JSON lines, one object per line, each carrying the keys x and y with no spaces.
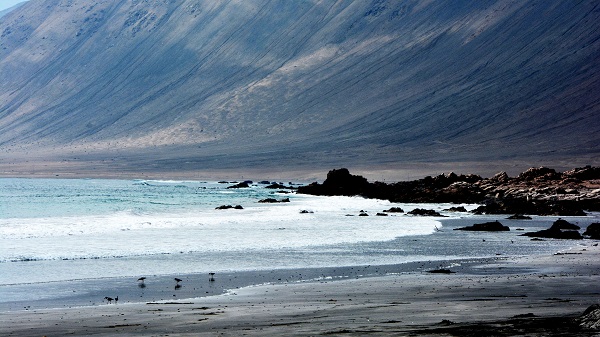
{"x":234,"y":84}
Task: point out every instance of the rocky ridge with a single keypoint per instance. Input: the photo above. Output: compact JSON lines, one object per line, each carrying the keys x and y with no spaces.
{"x":541,"y":191}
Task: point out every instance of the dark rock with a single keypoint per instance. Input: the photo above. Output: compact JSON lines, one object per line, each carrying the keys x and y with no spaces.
{"x":593,"y":231}
{"x":338,"y":182}
{"x":381,"y":214}
{"x":556,"y":232}
{"x":441,"y":271}
{"x":563,"y":224}
{"x":268,"y":201}
{"x":363,"y":213}
{"x":279,"y":186}
{"x":523,"y":206}
{"x":306,"y":212}
{"x":273,"y":201}
{"x":493,"y":226}
{"x":243,"y":184}
{"x":446,"y":322}
{"x":229,"y":207}
{"x":519,"y":217}
{"x":394,"y":210}
{"x":424,"y":212}
{"x":456,"y":209}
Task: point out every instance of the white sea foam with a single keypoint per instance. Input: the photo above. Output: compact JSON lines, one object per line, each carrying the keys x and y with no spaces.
{"x":333,"y":221}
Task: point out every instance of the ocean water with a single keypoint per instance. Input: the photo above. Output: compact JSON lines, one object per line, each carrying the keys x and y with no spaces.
{"x":81,"y":230}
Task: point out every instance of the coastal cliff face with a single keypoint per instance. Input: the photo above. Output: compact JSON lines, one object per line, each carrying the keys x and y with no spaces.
{"x":190,"y":84}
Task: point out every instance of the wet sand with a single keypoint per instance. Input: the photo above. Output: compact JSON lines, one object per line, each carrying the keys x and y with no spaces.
{"x":531,"y":295}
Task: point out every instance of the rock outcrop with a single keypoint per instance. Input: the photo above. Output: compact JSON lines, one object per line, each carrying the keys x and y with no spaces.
{"x":540,"y":191}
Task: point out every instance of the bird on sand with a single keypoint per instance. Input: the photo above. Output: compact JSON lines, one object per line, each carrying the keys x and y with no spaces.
{"x":141,"y":279}
{"x":178,"y":280}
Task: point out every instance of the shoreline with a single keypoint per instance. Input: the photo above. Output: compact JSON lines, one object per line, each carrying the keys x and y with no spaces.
{"x":91,"y":292}
{"x":413,"y":302}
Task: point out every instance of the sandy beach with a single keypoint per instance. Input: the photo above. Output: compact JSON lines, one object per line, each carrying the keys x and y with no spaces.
{"x":535,"y":295}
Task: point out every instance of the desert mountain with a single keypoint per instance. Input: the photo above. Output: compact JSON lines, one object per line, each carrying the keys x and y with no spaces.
{"x":184,"y":85}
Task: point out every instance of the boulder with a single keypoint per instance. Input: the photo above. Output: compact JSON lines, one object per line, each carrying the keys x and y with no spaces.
{"x":394,"y":210}
{"x":456,"y":209}
{"x":493,"y":226}
{"x":593,"y":231}
{"x":229,"y":207}
{"x":556,"y":232}
{"x":564,"y":224}
{"x":243,"y":184}
{"x":441,"y":271}
{"x":519,"y":217}
{"x":273,"y":201}
{"x":279,"y":186}
{"x":424,"y":212}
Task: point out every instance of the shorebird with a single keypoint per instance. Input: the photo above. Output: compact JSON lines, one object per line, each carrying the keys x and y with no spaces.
{"x":141,"y":279}
{"x":178,"y":280}
{"x":116,"y":299}
{"x":211,"y":278}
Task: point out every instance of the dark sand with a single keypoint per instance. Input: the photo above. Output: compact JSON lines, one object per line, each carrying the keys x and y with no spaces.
{"x":527,"y":296}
